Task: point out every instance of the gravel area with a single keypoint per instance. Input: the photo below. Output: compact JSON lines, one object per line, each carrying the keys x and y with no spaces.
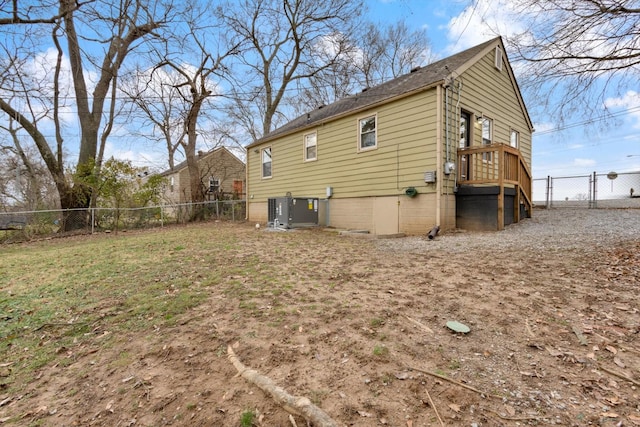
{"x":554,"y":229}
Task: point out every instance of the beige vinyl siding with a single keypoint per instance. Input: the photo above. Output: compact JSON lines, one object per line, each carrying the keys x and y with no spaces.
{"x":219,"y":163}
{"x":406,"y":149}
{"x":491,"y":92}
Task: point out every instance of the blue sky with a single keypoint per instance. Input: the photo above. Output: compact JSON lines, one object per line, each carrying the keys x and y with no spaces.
{"x":454,"y":25}
{"x":578,"y":150}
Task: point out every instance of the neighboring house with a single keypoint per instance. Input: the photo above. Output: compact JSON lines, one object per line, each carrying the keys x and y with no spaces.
{"x":222,"y":175}
{"x":448,"y":144}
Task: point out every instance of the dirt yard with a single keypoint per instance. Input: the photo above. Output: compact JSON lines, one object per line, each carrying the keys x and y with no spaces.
{"x":359,"y":328}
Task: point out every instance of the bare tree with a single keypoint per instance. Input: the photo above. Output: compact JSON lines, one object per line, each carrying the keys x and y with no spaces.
{"x":25,"y":182}
{"x":183,"y":84}
{"x":95,"y":56}
{"x":199,"y":84}
{"x":374,"y":55}
{"x":278,"y":51}
{"x":156,"y":100}
{"x":576,"y":53}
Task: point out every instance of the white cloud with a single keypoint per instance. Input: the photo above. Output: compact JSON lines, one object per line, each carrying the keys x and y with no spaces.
{"x":544,"y":127}
{"x":583,"y":162}
{"x":629,"y":101}
{"x":480,"y":21}
{"x":153,"y":160}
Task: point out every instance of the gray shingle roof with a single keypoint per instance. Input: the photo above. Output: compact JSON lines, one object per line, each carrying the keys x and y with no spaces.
{"x":420,"y":78}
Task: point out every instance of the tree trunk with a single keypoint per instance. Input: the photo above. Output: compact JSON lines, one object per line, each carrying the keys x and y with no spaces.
{"x":195,"y":181}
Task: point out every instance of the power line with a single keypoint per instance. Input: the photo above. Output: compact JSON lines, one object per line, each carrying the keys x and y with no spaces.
{"x":589,"y":121}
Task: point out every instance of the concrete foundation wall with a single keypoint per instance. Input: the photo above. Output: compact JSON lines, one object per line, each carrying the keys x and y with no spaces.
{"x":378,"y":215}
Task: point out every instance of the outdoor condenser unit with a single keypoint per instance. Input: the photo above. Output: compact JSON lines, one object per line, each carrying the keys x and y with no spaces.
{"x":291,"y":212}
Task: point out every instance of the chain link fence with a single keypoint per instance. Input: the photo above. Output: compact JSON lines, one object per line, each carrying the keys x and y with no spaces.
{"x":597,"y":190}
{"x":21,"y":226}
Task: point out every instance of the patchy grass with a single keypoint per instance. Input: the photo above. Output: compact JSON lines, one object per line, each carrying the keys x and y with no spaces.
{"x":247,"y":418}
{"x":57,"y":294}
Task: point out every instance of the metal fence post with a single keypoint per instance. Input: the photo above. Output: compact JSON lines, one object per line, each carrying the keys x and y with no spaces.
{"x":93,"y":219}
{"x":594,"y":192}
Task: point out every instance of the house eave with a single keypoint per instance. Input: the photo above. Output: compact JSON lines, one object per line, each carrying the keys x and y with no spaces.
{"x":355,"y":111}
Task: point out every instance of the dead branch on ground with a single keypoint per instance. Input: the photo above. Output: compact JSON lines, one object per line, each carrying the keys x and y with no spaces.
{"x":296,"y":405}
{"x":442,"y":377}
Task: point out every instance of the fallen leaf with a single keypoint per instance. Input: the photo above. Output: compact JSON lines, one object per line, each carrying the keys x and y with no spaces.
{"x":553,"y":352}
{"x":402,"y":375}
{"x":365,"y":414}
{"x":454,"y":407}
{"x":510,"y":410}
{"x":609,"y":415}
{"x":619,"y":362}
{"x":612,"y":349}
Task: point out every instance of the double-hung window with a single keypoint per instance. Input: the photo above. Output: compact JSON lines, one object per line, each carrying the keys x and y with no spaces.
{"x":266,"y":162}
{"x":310,"y":147}
{"x":368,"y":138}
{"x":487,"y":137}
{"x":214,"y":184}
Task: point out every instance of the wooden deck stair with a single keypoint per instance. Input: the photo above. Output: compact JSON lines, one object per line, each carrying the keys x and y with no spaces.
{"x":499,"y":165}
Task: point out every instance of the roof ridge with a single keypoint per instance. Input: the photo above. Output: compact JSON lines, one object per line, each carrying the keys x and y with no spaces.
{"x":416,"y":79}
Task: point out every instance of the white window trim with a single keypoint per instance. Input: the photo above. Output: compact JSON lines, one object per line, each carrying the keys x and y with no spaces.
{"x":262,"y":163}
{"x":214,"y":182}
{"x":498,"y":60}
{"x":517,"y":134}
{"x":305,"y":146}
{"x":375,"y":146}
{"x":487,"y":157}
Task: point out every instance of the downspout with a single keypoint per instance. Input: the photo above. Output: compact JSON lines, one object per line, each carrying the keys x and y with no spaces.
{"x":438,"y":152}
{"x":446,"y":120}
{"x":458,"y":115}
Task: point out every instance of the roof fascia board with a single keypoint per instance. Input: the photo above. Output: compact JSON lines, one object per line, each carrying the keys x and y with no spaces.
{"x":345,"y":114}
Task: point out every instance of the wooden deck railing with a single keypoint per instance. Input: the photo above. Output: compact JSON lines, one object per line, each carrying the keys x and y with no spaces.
{"x":501,"y":165}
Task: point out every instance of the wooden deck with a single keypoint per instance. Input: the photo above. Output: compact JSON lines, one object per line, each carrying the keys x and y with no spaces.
{"x":499,"y":165}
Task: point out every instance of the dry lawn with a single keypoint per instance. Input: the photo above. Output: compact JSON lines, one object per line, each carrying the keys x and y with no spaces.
{"x":132,"y":330}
